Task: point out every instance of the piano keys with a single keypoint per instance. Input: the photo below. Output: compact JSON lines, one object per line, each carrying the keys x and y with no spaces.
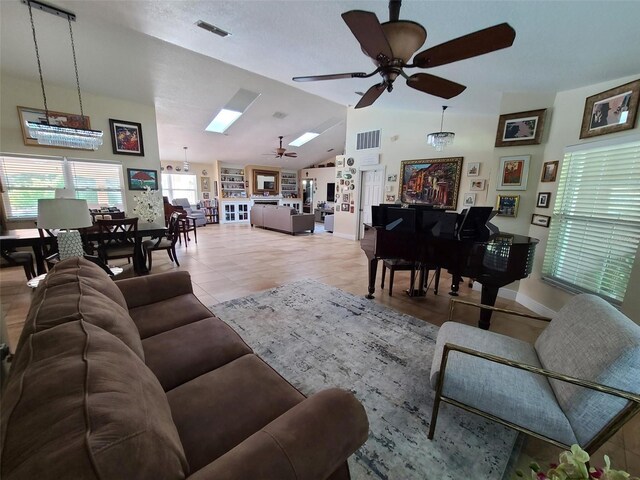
{"x":465,"y":244}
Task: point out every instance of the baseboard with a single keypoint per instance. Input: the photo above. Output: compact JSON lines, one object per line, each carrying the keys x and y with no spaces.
{"x":522,"y":299}
{"x":344,"y":235}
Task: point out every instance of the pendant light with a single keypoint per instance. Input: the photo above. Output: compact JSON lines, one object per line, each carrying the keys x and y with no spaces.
{"x":440,"y":139}
{"x":54,"y":135}
{"x":186,"y":165}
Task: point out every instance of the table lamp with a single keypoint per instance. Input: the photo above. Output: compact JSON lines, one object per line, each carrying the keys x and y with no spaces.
{"x":65,"y":214}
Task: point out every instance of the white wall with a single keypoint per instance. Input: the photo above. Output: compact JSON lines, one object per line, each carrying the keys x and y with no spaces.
{"x":16,"y":92}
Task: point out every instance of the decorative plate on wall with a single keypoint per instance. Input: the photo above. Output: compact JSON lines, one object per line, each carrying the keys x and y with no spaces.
{"x":350,"y":161}
{"x":169,"y":168}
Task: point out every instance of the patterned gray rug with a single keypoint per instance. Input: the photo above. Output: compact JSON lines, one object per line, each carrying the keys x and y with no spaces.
{"x":318,"y":336}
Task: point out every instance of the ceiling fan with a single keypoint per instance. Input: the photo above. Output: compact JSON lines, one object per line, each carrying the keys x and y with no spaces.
{"x":280,"y":151}
{"x":392,"y":44}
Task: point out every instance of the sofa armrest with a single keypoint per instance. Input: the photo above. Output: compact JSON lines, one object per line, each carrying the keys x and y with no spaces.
{"x":303,"y":221}
{"x":309,"y":441}
{"x":150,"y":289}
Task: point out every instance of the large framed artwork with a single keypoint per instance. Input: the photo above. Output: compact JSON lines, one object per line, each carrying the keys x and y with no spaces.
{"x":431,"y":181}
{"x":60,"y":119}
{"x":522,"y":128}
{"x":513,"y":172}
{"x":611,"y":111}
{"x":126,"y":137}
{"x":140,"y":179}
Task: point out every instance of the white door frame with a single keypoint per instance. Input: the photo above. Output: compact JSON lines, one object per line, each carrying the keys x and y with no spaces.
{"x":363,"y":169}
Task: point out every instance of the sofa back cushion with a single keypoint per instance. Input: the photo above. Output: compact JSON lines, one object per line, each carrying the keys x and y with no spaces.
{"x":80,"y":404}
{"x":79,"y":289}
{"x":591,"y":340}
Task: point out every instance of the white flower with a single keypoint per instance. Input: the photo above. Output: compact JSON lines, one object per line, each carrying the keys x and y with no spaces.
{"x":148,"y":205}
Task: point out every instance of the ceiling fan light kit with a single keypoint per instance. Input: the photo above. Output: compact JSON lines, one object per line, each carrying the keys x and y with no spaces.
{"x":440,"y":139}
{"x":392,"y":44}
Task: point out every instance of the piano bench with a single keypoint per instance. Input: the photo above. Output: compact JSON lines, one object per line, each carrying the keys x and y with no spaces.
{"x":394,"y":264}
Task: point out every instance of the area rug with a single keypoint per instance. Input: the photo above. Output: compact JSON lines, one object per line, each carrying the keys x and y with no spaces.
{"x":317,"y":336}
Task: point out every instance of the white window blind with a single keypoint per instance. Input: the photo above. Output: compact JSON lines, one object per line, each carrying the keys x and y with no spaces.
{"x":98,"y":183}
{"x":179,"y":186}
{"x":595,"y":229}
{"x":25,"y":180}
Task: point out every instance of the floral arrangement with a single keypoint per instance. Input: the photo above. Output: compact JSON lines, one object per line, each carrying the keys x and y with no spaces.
{"x":148,"y":205}
{"x":573,"y":466}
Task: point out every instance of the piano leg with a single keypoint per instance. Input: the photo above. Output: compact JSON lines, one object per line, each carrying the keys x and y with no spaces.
{"x":455,"y":284}
{"x":487,"y":297}
{"x":373,"y":268}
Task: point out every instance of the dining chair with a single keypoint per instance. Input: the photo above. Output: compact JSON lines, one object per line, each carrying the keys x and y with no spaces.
{"x":23,"y":259}
{"x":116,"y":238}
{"x":167,"y":243}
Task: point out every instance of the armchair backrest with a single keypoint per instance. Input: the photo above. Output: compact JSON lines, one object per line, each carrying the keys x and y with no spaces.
{"x":184,"y":203}
{"x":591,"y":340}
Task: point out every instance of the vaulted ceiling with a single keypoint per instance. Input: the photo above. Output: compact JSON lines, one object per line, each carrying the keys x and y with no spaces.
{"x":152,"y":52}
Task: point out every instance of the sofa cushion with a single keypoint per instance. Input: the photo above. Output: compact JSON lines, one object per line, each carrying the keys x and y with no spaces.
{"x":517,"y":396}
{"x":165,"y":315}
{"x":589,"y":339}
{"x":186,"y":352}
{"x":80,"y":404}
{"x":79,"y":289}
{"x":216,"y":411}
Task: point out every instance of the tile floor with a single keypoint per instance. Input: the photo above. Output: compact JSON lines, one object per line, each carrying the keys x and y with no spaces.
{"x":231,"y":261}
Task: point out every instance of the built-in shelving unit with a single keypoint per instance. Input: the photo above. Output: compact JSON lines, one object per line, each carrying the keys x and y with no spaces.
{"x":289,"y":184}
{"x":232,"y":183}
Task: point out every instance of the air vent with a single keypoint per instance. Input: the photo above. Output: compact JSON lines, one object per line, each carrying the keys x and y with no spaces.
{"x":212,"y":28}
{"x":367,"y":140}
{"x":279,"y":115}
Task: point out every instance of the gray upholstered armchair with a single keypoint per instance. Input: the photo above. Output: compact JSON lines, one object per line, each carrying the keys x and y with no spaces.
{"x":579,"y":383}
{"x":201,"y":220}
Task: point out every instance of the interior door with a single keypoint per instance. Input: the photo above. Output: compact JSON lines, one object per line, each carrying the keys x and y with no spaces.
{"x":370,"y":194}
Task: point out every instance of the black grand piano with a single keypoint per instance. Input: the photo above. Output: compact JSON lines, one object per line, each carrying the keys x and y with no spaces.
{"x":466,"y":244}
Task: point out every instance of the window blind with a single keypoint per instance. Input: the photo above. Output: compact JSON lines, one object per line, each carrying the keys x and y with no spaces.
{"x":179,"y":186}
{"x":595,"y":230}
{"x":98,"y":183}
{"x":25,"y":180}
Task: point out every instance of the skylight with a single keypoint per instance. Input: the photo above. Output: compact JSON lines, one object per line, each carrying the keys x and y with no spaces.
{"x":223,"y":120}
{"x":304,"y":138}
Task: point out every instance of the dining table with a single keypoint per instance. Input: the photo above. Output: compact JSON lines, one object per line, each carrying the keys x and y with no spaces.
{"x":30,"y":237}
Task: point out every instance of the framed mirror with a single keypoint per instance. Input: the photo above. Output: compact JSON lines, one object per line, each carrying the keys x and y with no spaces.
{"x":265,"y":181}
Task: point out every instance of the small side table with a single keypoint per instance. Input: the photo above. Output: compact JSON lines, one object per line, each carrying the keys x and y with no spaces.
{"x":186,"y":228}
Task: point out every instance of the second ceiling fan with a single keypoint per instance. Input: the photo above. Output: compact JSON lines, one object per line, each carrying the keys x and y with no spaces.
{"x":280,"y":151}
{"x":392,"y":44}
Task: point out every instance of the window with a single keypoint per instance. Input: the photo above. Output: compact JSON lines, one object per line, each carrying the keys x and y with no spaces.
{"x":595,"y":229}
{"x":179,"y":186}
{"x":25,"y":180}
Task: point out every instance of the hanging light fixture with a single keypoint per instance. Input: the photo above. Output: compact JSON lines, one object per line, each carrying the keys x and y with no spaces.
{"x":186,"y":165}
{"x":440,"y":139}
{"x":55,"y":135}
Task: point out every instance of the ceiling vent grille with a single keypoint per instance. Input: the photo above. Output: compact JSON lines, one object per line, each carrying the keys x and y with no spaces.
{"x":279,"y":115}
{"x":212,"y":28}
{"x":368,"y":140}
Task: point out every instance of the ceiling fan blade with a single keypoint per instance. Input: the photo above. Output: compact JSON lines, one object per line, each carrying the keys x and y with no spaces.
{"x":433,"y":85}
{"x":368,"y":31}
{"x":371,"y":95}
{"x":333,"y":76}
{"x":471,"y":45}
{"x":292,"y":155}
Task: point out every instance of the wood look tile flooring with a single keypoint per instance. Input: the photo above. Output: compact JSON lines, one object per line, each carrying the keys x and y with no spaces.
{"x":231,"y":261}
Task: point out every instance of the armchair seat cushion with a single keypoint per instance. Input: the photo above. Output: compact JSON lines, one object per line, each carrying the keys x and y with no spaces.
{"x":511,"y":394}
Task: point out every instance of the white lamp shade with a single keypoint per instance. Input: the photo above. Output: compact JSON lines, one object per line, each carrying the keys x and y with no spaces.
{"x":63,"y":213}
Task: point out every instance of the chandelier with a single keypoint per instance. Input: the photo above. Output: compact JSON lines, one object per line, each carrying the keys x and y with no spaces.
{"x":440,"y":139}
{"x":56,"y":135}
{"x":186,"y":165}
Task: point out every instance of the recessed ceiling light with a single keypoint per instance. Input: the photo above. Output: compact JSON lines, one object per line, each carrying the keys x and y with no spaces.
{"x":223,"y":120}
{"x":212,"y":28}
{"x":235,"y":107}
{"x":304,"y":138}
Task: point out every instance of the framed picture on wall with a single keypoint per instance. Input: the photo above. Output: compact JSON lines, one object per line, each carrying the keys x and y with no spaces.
{"x":126,"y":137}
{"x":522,"y":128}
{"x":473,"y":169}
{"x":611,"y":111}
{"x":477,"y":185}
{"x":549,"y":171}
{"x":513,"y":172}
{"x":431,"y":181}
{"x":507,"y":205}
{"x":469,"y":199}
{"x":544,"y":198}
{"x":540,"y":220}
{"x":205,"y":184}
{"x":141,"y":179}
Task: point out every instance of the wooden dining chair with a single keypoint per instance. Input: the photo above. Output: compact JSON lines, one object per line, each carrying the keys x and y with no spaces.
{"x":167,"y":243}
{"x":116,"y":238}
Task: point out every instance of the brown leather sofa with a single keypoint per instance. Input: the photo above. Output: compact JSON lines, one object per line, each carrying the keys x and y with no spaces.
{"x":283,"y":219}
{"x":136,"y":379}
